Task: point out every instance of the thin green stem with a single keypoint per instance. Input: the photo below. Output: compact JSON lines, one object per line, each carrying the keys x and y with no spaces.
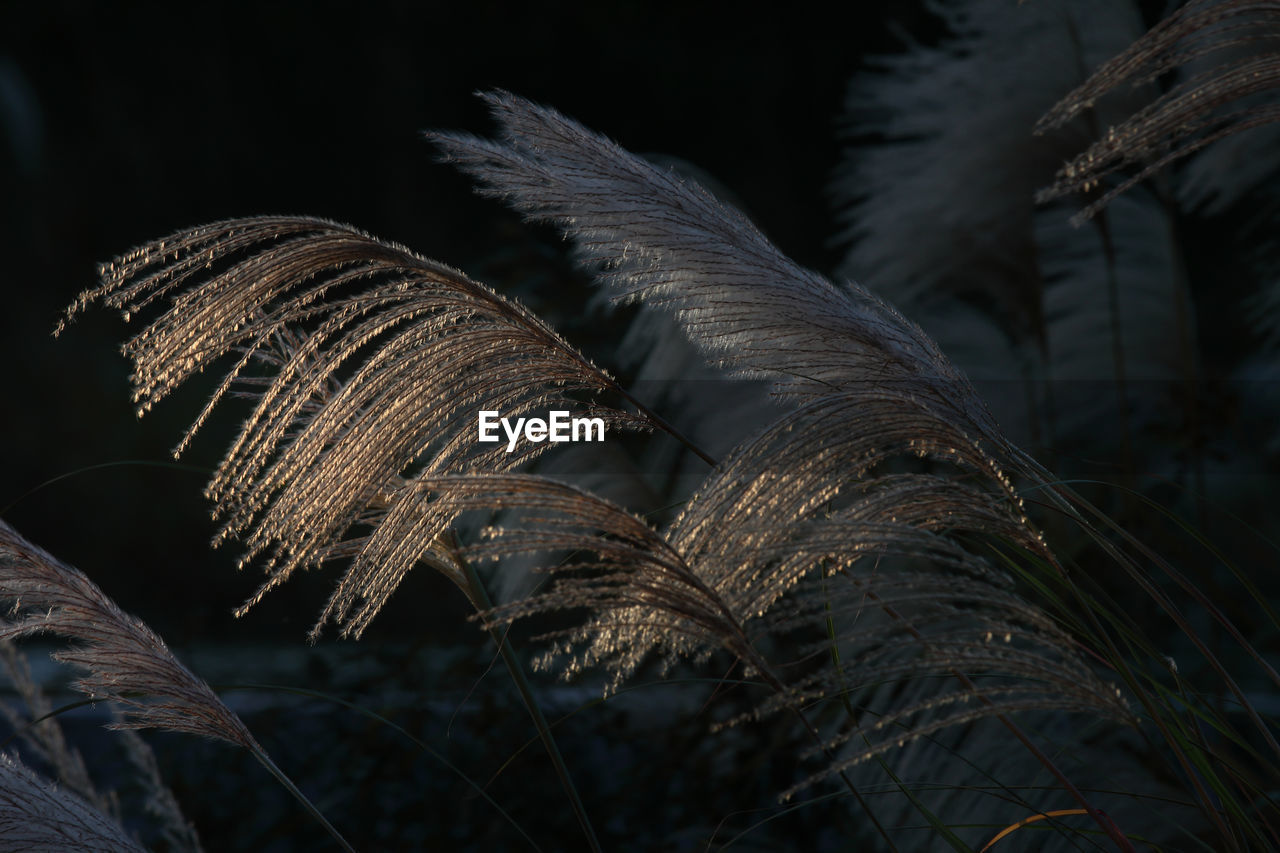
{"x":664,"y":425}
{"x":479,"y":597}
{"x":925,"y":812}
{"x":1105,"y":823}
{"x":265,"y":761}
{"x":373,"y":715}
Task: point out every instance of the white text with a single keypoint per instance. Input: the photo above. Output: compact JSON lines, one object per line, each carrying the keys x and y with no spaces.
{"x":558,"y":427}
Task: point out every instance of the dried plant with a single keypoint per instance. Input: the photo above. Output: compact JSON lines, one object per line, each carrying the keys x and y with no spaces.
{"x":36,"y":815}
{"x":320,"y":468}
{"x":653,"y":236}
{"x":843,"y":548}
{"x":178,"y":832}
{"x":122,"y":660}
{"x":43,"y":736}
{"x":1060,"y":328}
{"x":942,"y":158}
{"x":1216,"y":67}
{"x":1234,"y":94}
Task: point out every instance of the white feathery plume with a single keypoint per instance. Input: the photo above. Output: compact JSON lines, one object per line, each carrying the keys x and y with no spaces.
{"x":35,"y":815}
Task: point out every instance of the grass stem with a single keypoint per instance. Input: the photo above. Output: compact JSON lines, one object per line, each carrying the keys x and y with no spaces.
{"x":479,"y":597}
{"x":265,"y":761}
